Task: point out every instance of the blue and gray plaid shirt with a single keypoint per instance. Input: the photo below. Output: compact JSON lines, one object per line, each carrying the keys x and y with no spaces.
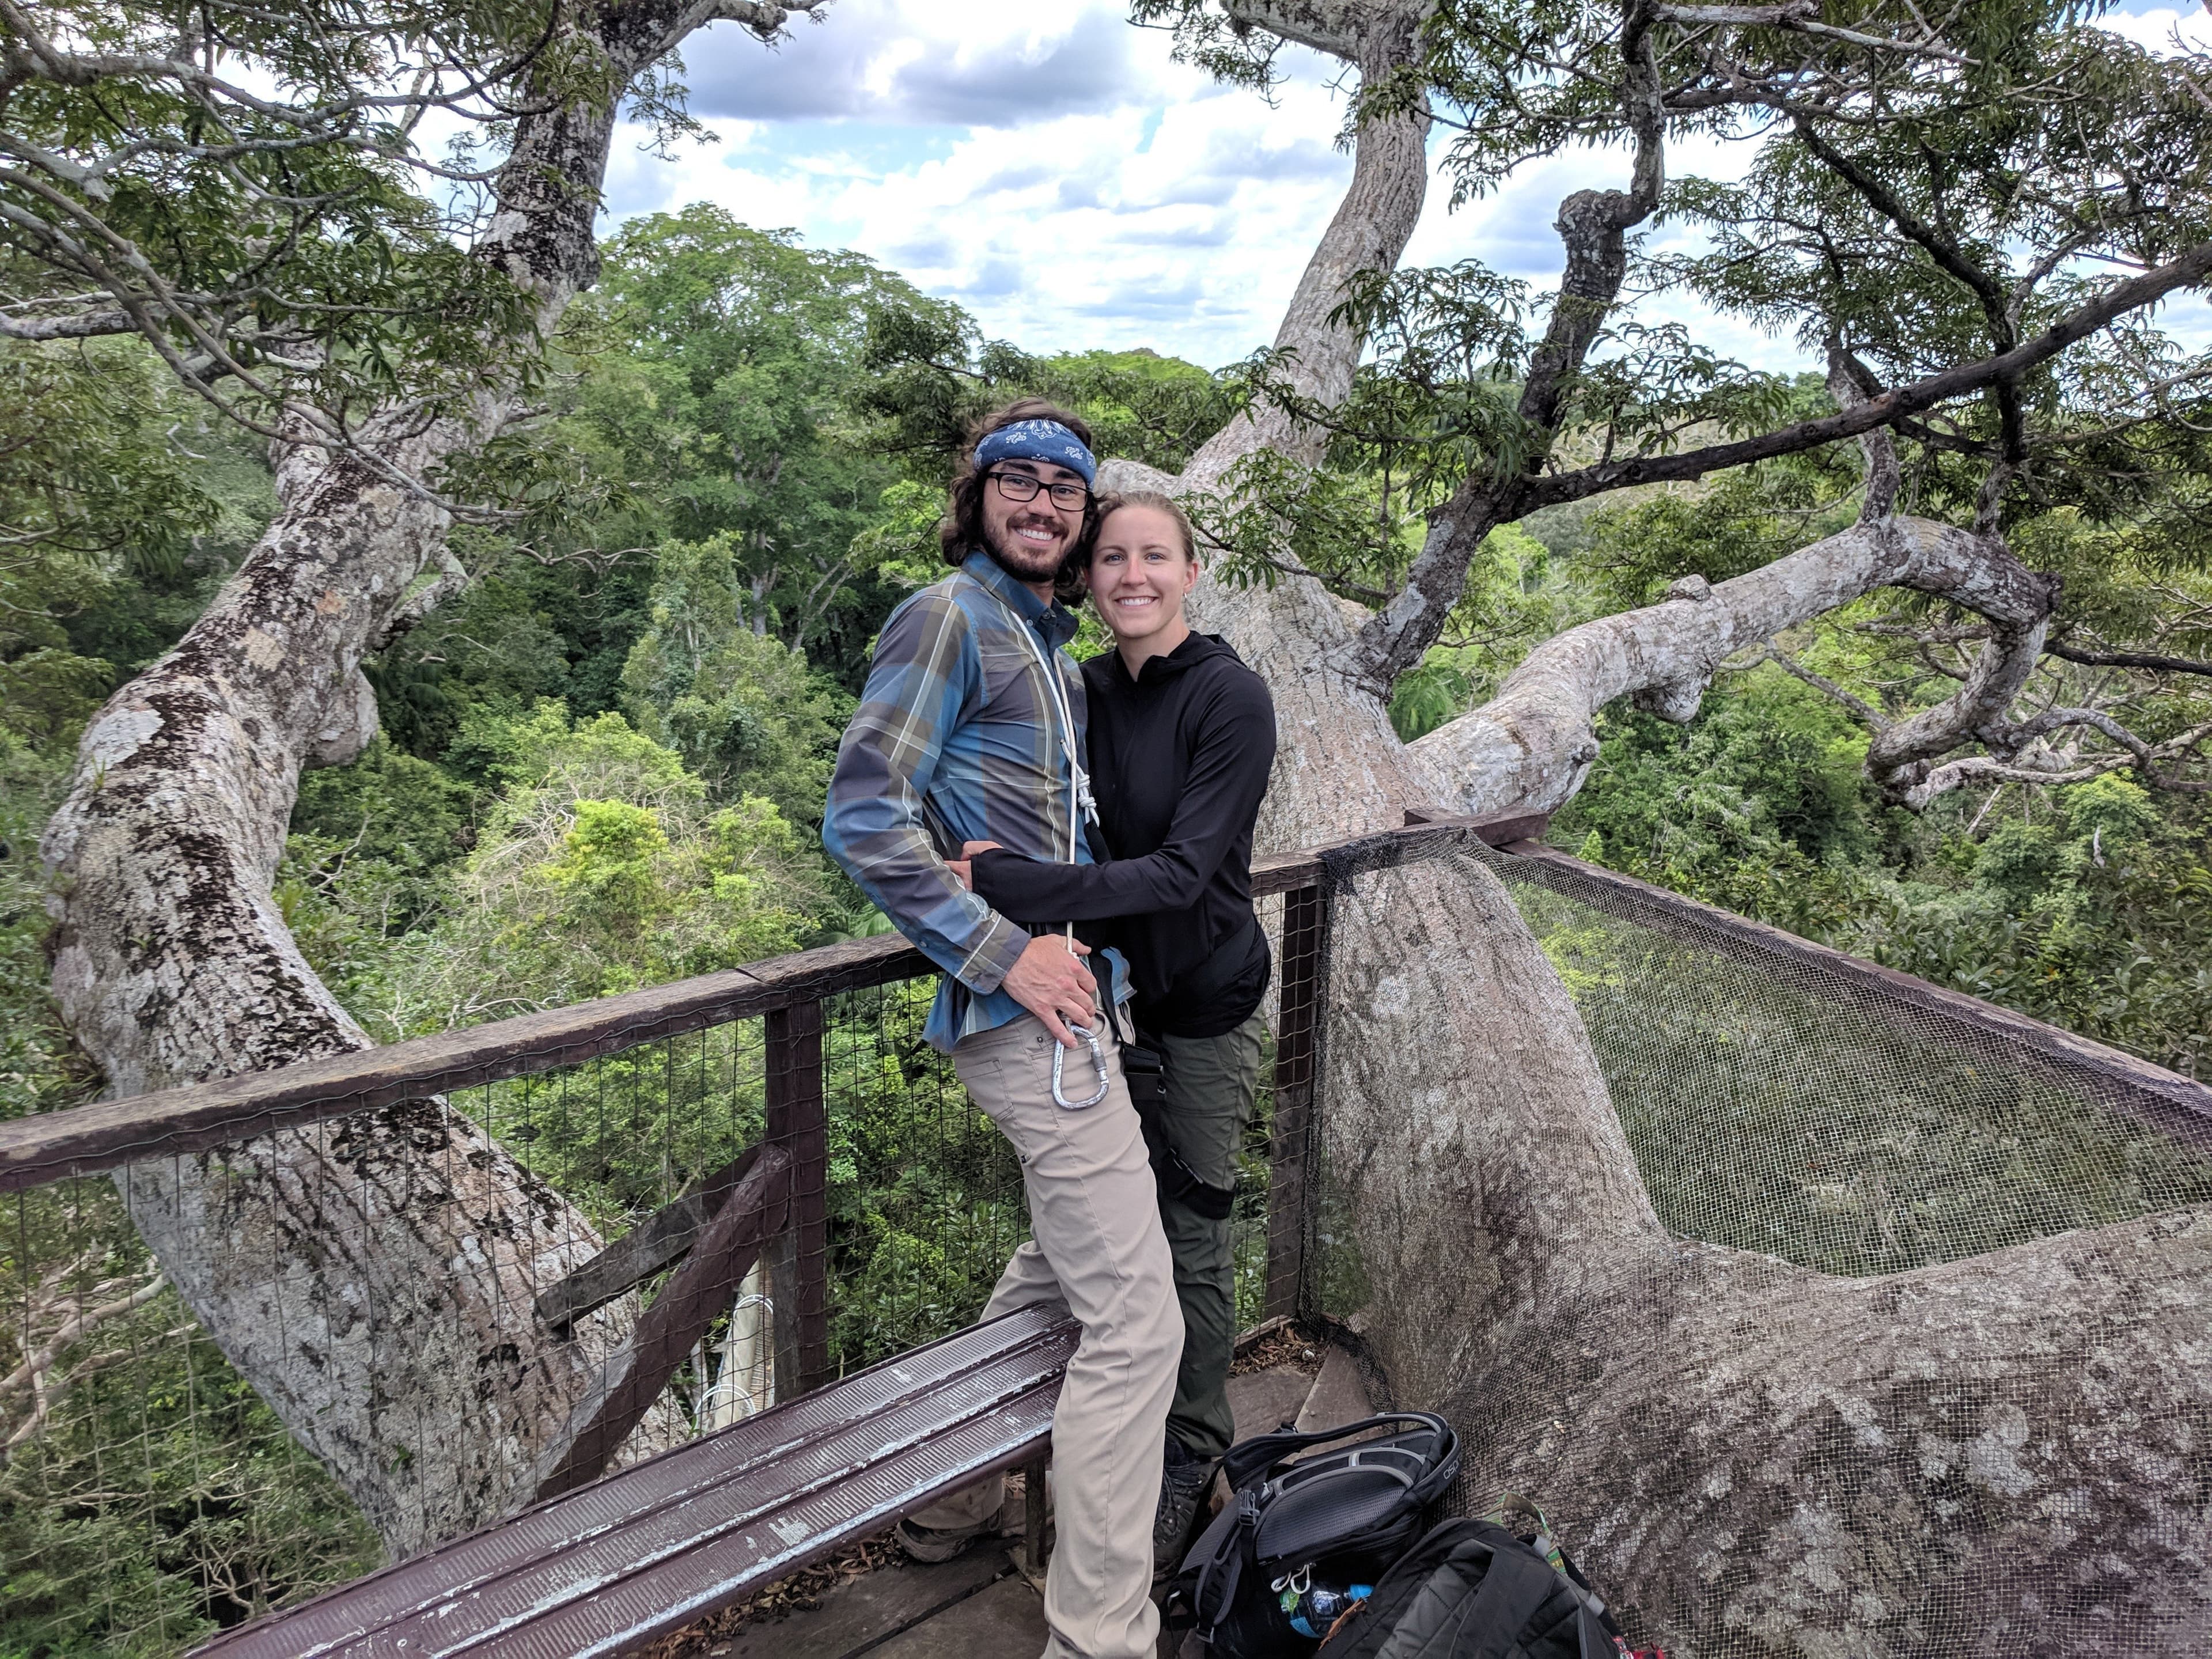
{"x":955,"y":741}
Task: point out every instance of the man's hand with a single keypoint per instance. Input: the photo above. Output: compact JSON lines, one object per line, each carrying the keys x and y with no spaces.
{"x":1051,"y":983}
{"x":969,"y":849}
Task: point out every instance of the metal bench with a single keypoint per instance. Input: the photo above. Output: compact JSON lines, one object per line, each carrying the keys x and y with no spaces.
{"x":611,"y":1565}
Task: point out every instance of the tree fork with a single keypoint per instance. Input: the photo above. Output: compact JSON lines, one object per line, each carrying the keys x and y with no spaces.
{"x":1739,"y":1431}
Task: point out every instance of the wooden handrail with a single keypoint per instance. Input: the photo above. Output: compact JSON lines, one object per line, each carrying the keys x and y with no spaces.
{"x":190,"y":1118}
{"x":106,"y":1134}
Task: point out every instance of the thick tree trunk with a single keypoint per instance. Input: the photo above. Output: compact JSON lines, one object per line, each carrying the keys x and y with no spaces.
{"x":373,"y":1280}
{"x":1753,"y":1459}
{"x":367,"y":1278}
{"x":2004,"y":1455}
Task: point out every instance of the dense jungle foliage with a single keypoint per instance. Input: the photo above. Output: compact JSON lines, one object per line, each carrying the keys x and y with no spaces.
{"x":602,"y":767}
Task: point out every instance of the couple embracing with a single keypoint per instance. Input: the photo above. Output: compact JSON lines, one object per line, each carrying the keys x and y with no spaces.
{"x":1072,"y":847}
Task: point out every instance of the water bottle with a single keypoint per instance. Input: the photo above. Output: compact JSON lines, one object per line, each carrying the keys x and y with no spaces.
{"x":1313,"y":1610}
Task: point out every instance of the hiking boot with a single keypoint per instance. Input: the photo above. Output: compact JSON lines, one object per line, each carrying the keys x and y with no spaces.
{"x":1183,"y":1482}
{"x":935,"y":1544}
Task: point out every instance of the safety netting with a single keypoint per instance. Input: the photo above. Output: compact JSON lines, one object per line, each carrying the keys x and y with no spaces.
{"x":1917,"y":1361}
{"x":1835,"y":1119}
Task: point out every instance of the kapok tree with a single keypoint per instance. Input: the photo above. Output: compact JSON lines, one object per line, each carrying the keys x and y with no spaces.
{"x":293,"y":256}
{"x":1495,"y":1196}
{"x":1972,"y":214}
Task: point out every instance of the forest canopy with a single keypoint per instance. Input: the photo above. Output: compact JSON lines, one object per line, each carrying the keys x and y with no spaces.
{"x":657,"y":489}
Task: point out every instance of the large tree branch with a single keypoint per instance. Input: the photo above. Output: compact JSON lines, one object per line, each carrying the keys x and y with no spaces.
{"x":2187,"y":270}
{"x":1335,"y":26}
{"x":1593,"y":227}
{"x":1978,"y":709}
{"x":1530,"y":747}
{"x":1389,"y":182}
{"x":76,"y":326}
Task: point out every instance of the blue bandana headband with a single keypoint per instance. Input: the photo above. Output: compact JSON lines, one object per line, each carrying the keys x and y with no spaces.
{"x":1037,"y":440}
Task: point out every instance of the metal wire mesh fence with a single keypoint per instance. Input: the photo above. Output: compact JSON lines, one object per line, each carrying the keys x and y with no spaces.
{"x":147,"y":1493}
{"x":848,"y":1203}
{"x":1903,"y":1380}
{"x":1843,"y":1122}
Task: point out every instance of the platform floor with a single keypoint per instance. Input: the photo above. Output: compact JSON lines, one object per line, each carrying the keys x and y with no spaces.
{"x":981,"y":1607}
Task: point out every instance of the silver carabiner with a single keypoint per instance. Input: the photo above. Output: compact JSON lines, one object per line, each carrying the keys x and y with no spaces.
{"x":1098,"y":1059}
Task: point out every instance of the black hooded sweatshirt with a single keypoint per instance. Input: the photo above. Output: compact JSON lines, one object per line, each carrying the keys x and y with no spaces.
{"x":1179,"y":758}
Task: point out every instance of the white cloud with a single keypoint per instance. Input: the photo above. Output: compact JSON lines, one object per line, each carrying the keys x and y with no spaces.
{"x":1055,"y":173}
{"x":985,"y":62}
{"x":1064,"y":208}
{"x":2161,"y":29}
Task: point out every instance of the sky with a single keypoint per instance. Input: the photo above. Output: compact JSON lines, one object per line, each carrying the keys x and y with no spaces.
{"x":1052,"y":171}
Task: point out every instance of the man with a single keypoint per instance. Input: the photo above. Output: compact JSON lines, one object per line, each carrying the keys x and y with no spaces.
{"x":1183,"y":739}
{"x":971,"y":728}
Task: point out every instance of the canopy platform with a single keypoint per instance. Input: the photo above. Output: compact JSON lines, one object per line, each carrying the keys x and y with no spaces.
{"x":779,"y":1140}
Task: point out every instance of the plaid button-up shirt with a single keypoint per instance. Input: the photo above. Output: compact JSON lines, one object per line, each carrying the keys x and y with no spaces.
{"x":955,"y":740}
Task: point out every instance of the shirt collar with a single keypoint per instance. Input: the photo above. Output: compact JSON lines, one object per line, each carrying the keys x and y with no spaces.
{"x":1053,"y":621}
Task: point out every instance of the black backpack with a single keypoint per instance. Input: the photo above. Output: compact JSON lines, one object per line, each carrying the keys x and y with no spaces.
{"x":1475,"y":1589}
{"x":1299,"y":1533}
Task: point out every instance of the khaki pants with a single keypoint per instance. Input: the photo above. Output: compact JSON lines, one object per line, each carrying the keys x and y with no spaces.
{"x":1095,"y":1245}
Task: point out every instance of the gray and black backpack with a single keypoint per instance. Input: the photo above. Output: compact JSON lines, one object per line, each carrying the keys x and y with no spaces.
{"x":1478,"y":1589}
{"x":1313,"y":1520}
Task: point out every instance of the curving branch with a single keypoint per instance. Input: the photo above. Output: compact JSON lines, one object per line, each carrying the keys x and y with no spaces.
{"x":1389,"y":182}
{"x":1980,"y":709}
{"x":2188,"y":269}
{"x":1593,"y":227}
{"x":1530,"y":748}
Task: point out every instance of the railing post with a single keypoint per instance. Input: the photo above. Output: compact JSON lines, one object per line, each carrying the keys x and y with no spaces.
{"x":1298,"y":1009}
{"x":798,"y":1120}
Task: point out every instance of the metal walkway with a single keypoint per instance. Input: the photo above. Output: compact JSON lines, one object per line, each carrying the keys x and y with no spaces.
{"x":653,"y":1548}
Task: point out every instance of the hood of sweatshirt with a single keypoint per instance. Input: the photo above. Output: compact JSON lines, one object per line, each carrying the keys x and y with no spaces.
{"x":1158,"y":670}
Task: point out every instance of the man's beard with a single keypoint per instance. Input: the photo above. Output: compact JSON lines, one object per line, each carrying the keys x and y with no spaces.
{"x":1018,"y":559}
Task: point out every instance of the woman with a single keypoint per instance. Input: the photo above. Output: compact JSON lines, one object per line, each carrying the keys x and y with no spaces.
{"x":1182,"y":737}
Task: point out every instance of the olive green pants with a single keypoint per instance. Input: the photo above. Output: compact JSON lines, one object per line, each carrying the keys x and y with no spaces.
{"x":1210,"y":1087}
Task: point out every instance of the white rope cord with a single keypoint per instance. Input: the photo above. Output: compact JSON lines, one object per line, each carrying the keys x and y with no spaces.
{"x":1081,"y":807}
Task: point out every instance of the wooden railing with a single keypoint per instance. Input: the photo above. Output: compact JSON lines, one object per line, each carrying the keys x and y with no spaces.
{"x":772,"y":1201}
{"x":106,"y":1135}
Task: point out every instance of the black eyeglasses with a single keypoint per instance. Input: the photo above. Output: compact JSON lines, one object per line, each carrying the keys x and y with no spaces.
{"x":1023,"y":487}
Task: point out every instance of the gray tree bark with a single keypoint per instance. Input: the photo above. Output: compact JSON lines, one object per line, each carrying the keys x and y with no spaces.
{"x":1752,"y":1458}
{"x":2000,"y":1453}
{"x":373,"y":1279}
